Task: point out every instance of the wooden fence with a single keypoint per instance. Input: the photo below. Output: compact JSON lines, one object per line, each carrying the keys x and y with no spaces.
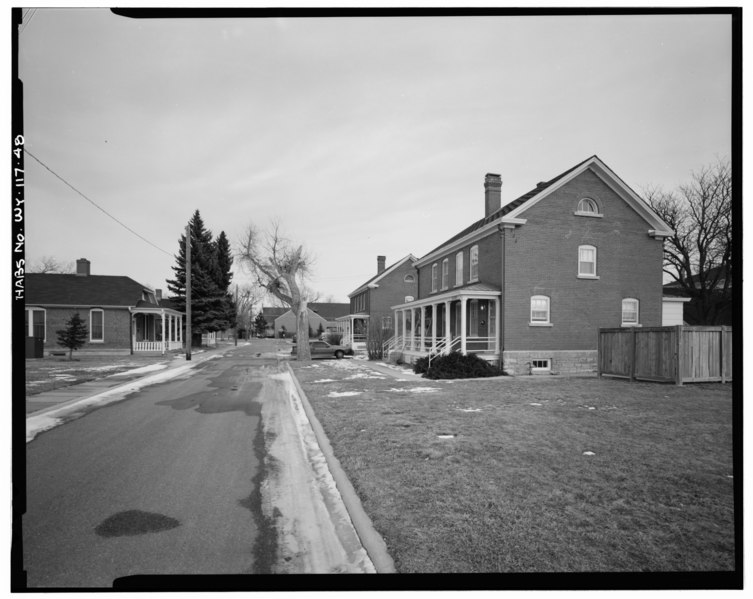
{"x":667,"y":354}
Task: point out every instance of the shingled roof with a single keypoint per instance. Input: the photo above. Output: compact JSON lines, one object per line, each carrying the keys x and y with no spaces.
{"x":509,"y":207}
{"x":76,"y":290}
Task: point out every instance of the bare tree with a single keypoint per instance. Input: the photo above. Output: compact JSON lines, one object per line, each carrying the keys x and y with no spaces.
{"x":698,"y":255}
{"x":246,"y":298}
{"x":281,"y":267}
{"x":50,"y":264}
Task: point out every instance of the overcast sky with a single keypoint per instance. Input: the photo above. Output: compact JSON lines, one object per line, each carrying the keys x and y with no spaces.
{"x":362,"y":136}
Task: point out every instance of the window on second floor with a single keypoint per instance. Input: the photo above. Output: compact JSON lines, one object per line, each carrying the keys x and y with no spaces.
{"x":458,"y":269}
{"x":630,"y":314}
{"x":445,"y":273}
{"x":474,"y":264}
{"x":433,"y":278}
{"x":587,"y":261}
{"x":96,"y":325}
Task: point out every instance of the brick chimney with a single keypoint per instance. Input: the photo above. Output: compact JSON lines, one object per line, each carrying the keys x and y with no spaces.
{"x":158,"y":294}
{"x":83,"y":267}
{"x":492,"y":193}
{"x":380,"y":263}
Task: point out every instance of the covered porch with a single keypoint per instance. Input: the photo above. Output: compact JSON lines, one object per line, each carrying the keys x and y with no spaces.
{"x":156,"y":330}
{"x":353,"y":328}
{"x":465,"y":320}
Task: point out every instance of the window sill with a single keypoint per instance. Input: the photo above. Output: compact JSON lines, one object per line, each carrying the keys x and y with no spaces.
{"x":631,"y":325}
{"x":96,"y":340}
{"x":588,"y":214}
{"x":592,"y":277}
{"x":540,"y":324}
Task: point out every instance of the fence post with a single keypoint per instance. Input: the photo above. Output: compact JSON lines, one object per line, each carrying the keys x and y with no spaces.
{"x":632,"y":353}
{"x":721,"y":353}
{"x":678,"y":355}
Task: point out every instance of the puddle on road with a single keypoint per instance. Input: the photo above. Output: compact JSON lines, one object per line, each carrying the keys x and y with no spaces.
{"x":135,"y":522}
{"x":218,"y":403}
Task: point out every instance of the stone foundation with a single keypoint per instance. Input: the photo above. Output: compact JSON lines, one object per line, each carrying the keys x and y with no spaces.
{"x":518,"y":363}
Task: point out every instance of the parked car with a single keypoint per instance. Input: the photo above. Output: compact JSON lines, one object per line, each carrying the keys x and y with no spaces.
{"x":322,"y":349}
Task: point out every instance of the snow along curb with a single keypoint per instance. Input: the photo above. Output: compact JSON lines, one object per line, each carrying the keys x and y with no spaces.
{"x":371,"y":540}
{"x":50,"y":418}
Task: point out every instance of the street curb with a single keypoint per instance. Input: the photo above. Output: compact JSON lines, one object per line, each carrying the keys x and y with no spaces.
{"x":371,"y":540}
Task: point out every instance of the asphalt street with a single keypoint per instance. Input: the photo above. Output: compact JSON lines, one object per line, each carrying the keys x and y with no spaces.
{"x":166,"y":481}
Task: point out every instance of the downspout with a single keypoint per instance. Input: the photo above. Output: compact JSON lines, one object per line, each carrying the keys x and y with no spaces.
{"x":502,"y":298}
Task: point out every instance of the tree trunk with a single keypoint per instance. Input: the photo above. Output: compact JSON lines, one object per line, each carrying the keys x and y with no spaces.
{"x":302,"y":332}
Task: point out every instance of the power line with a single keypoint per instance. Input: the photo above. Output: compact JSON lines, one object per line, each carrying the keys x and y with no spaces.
{"x":96,"y":205}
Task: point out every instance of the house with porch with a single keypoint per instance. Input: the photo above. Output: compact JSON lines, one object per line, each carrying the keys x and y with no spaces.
{"x":321,"y":315}
{"x":528,"y":285}
{"x":122,"y":316}
{"x":372,"y":302}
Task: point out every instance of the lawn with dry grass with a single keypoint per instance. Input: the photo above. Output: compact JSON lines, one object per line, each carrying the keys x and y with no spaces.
{"x":534,"y":474}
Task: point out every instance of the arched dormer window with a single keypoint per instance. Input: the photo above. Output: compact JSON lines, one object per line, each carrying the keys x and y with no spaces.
{"x":587,"y":207}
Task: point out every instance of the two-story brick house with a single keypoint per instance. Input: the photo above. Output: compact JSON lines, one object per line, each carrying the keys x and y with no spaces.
{"x":530,"y":283}
{"x":371,"y":303}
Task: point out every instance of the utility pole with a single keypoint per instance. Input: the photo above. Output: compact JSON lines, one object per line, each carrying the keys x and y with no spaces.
{"x":189,"y":339}
{"x":236,"y":314}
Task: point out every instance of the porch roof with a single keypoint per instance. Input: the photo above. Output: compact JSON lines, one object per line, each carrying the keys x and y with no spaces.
{"x":351,"y":317}
{"x":475,"y":291}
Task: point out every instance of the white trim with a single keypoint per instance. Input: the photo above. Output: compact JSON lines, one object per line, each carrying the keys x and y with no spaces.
{"x":459,"y":274}
{"x":637,"y":312}
{"x":587,"y":275}
{"x":30,"y":329}
{"x":548,"y":320}
{"x":445,"y":274}
{"x":471,"y":277}
{"x":449,"y":296}
{"x":434,"y":281}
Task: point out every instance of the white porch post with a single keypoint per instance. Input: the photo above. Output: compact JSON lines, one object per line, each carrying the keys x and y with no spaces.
{"x":412,"y":327}
{"x":497,"y":344}
{"x":405,"y":333}
{"x":423,"y":328}
{"x":180,"y":329}
{"x":463,"y":327}
{"x":162,"y":333}
{"x":170,"y":330}
{"x":396,"y":323}
{"x":433,"y":327}
{"x":447,"y":332}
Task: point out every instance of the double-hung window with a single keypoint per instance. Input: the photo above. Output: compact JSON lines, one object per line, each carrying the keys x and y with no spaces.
{"x":474,"y":264}
{"x":630,"y":312}
{"x":96,"y":325}
{"x":445,"y":273}
{"x":36,"y":325}
{"x":587,"y":261}
{"x":433,"y":278}
{"x":540,"y":310}
{"x":458,"y":269}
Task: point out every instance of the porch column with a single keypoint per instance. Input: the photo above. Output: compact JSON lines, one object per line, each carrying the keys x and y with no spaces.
{"x":447,"y":332}
{"x":396,"y":329}
{"x":497,"y":340}
{"x":463,"y":326}
{"x":412,"y":327}
{"x":162,"y":333}
{"x":405,"y":333}
{"x":180,"y":329}
{"x":423,"y":328}
{"x":433,"y":327}
{"x":169,"y":330}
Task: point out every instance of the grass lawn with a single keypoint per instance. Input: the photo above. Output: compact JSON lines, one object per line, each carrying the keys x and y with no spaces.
{"x":544,"y":475}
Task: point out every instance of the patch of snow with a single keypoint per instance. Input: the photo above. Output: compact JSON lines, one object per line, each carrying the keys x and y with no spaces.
{"x":364,"y":375}
{"x":150,"y":368}
{"x":535,"y":404}
{"x":588,"y":453}
{"x":344,"y":393}
{"x":324,"y":381}
{"x":469,"y":409}
{"x":423,"y":389}
{"x":445,"y":436}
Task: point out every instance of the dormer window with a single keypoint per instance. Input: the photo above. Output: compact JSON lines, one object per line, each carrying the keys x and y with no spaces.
{"x":588,"y":207}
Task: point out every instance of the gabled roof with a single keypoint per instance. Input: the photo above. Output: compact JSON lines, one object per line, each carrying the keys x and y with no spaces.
{"x":271,"y":313}
{"x":329,"y":310}
{"x":380,"y":275}
{"x":512,"y":211}
{"x":76,"y":290}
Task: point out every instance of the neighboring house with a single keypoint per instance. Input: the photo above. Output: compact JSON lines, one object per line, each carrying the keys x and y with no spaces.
{"x":372,"y":302}
{"x":716,"y":279}
{"x":530,"y":284}
{"x":270,"y":315}
{"x":122,"y":316}
{"x":321,"y":315}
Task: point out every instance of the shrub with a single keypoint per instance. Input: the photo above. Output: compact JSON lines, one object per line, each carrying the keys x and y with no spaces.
{"x":375,"y":341}
{"x":455,"y":366}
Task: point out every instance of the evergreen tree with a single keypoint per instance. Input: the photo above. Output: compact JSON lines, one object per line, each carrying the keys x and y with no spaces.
{"x":260,"y":325}
{"x":223,"y":262}
{"x":74,"y":335}
{"x":207,"y":299}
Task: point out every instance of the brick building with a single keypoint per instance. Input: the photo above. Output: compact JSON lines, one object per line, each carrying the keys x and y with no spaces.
{"x":530,"y":283}
{"x":371,"y":303}
{"x":121,"y":315}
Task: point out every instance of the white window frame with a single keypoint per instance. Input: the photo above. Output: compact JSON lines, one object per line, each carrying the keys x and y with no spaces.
{"x":595,"y":213}
{"x":630,"y":323}
{"x":540,"y":322}
{"x":544,"y":365}
{"x":473,"y":274}
{"x":387,"y":322}
{"x":458,"y":269}
{"x":587,"y":275}
{"x":445,"y":273}
{"x":30,"y":330}
{"x":91,"y":325}
{"x":434,"y":277}
{"x":409,"y":278}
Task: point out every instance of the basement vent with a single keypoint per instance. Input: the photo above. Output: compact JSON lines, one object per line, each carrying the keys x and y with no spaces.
{"x":541,"y":365}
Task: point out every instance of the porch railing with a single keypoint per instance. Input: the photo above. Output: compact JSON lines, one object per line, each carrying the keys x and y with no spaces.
{"x":156,"y":345}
